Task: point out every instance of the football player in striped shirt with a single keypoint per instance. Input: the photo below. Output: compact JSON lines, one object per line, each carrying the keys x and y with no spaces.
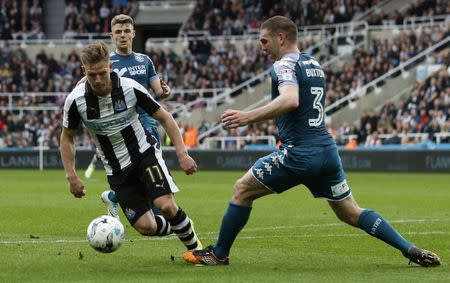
{"x":107,"y":106}
{"x":139,"y":67}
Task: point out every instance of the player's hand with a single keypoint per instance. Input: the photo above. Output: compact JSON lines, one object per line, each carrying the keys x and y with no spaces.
{"x":166,"y":89}
{"x":234,"y":118}
{"x":187,"y":164}
{"x":76,"y":187}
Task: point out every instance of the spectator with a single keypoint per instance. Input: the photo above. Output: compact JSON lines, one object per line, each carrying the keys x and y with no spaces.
{"x":394,"y":138}
{"x":190,"y":136}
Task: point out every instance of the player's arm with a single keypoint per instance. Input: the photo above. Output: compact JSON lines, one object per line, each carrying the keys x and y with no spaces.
{"x":160,"y":88}
{"x":287,"y":101}
{"x":67,"y":150}
{"x":148,"y":104}
{"x":170,"y":126}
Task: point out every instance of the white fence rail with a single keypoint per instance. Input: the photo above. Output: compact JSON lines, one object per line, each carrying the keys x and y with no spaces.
{"x":319,"y":31}
{"x":24,"y":101}
{"x":415,"y":22}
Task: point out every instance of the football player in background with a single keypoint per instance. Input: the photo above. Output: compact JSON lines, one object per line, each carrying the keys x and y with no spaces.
{"x":308,"y":154}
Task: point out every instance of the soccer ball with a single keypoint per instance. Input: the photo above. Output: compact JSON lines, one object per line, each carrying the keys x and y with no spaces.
{"x":105,"y":234}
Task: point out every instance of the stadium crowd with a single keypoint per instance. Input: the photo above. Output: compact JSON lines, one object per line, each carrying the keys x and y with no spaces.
{"x":205,"y":65}
{"x":94,"y":16}
{"x":21,"y":19}
{"x":25,"y":19}
{"x":18,"y":74}
{"x":380,"y":57}
{"x":241,"y":17}
{"x":426,"y":111}
{"x":415,"y":9}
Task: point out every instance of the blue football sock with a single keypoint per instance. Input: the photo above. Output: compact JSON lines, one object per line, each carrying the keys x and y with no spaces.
{"x":112,"y":197}
{"x":233,"y":221}
{"x":375,"y":225}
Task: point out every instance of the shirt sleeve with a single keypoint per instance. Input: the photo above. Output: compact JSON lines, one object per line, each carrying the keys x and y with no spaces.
{"x":152,"y":75}
{"x":285,"y":73}
{"x":71,"y":116}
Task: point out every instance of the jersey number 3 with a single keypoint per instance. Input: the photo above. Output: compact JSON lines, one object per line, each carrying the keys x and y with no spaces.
{"x":318,"y":93}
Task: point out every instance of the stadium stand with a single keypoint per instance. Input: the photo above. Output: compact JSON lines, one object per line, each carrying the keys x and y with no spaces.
{"x":203,"y":67}
{"x":380,"y":57}
{"x":408,"y":12}
{"x":243,"y":17}
{"x":423,"y":116}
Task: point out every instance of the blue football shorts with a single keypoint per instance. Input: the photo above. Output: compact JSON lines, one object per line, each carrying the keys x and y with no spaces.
{"x":319,"y":168}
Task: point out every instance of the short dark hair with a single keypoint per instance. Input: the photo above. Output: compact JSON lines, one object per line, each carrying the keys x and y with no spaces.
{"x":282,"y":24}
{"x":94,"y":53}
{"x":122,"y":19}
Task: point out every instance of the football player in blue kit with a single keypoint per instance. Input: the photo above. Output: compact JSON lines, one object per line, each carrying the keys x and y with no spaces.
{"x":139,"y":67}
{"x":308,"y":154}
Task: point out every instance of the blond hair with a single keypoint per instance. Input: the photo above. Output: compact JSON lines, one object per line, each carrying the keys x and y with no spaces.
{"x":280,"y":24}
{"x":122,"y":19}
{"x":94,"y":53}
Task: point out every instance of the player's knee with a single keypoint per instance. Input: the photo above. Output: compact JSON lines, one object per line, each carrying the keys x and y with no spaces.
{"x":145,"y":225}
{"x":168,"y":209}
{"x":242,"y":193}
{"x":167,"y":206}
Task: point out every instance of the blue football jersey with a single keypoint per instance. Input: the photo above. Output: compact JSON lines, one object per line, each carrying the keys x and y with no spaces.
{"x":140,"y":68}
{"x":305,"y":125}
{"x":308,"y":154}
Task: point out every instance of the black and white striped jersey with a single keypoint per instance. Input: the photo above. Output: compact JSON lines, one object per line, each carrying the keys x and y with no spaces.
{"x":112,"y":121}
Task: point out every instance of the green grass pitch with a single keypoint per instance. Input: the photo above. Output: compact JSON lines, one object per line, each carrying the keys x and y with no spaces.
{"x":289,"y":237}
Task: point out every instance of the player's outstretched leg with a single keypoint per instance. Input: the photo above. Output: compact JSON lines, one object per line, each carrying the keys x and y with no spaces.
{"x":110,"y":200}
{"x":375,"y":225}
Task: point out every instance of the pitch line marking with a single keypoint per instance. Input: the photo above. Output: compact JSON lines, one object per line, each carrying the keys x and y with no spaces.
{"x":326,"y":225}
{"x":211,"y":235}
